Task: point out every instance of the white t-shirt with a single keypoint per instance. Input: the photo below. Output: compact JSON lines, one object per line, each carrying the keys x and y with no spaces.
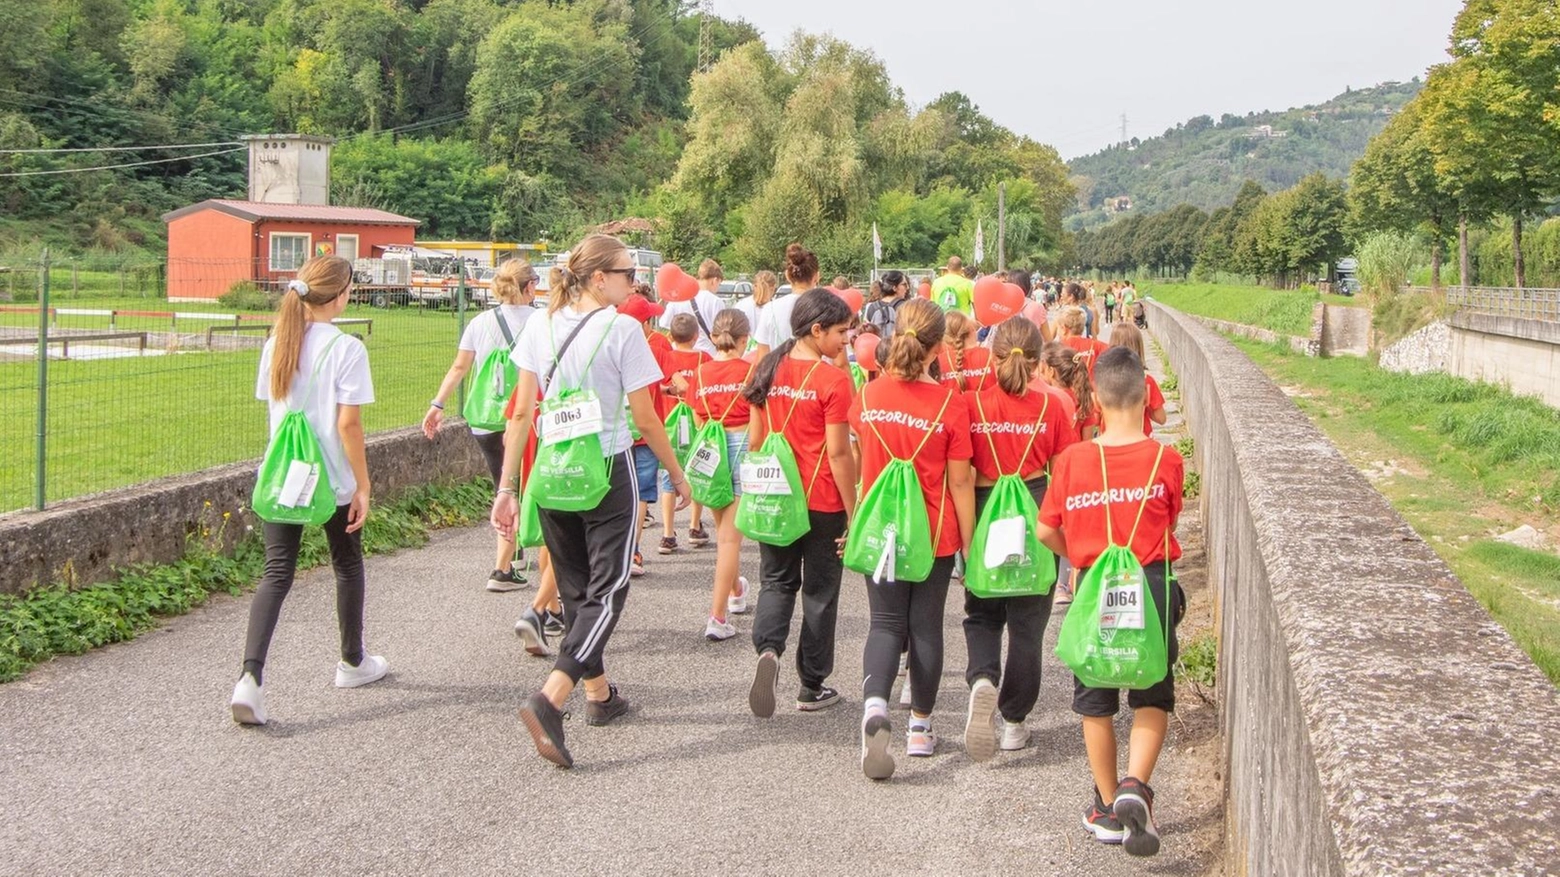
{"x":343,"y":380}
{"x":483,"y":336}
{"x":622,"y":365}
{"x":709,"y":306}
{"x":774,"y":324}
{"x":749,"y":310}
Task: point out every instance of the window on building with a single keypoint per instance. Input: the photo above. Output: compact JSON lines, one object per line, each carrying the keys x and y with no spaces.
{"x":288,"y":251}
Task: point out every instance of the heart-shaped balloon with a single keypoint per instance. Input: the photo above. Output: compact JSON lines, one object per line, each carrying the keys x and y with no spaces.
{"x":995,"y":300}
{"x":851,"y":297}
{"x":672,"y":283}
{"x":866,"y":348}
{"x":924,"y":290}
{"x":1035,"y":311}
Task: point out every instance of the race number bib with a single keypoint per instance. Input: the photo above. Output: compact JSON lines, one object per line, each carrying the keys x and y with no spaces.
{"x":766,"y":479}
{"x":570,"y":416}
{"x":1121,"y":602}
{"x":705,"y":460}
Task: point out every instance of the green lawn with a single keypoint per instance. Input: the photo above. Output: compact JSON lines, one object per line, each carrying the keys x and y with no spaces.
{"x":1287,"y":312}
{"x":1462,"y":462}
{"x":123,"y":421}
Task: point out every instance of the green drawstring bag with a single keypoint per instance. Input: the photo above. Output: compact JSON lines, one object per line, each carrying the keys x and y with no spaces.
{"x":773,"y":506}
{"x":680,"y":430}
{"x":859,"y":375}
{"x":293,"y":486}
{"x":571,"y":474}
{"x":493,"y":384}
{"x":529,"y":533}
{"x":708,"y":466}
{"x":1006,"y":557}
{"x":1113,"y":636}
{"x":891,"y":537}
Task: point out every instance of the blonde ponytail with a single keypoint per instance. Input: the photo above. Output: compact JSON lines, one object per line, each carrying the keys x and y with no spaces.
{"x":321,"y":280}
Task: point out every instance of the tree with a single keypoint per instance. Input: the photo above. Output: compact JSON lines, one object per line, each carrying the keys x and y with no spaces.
{"x":1394,"y":186}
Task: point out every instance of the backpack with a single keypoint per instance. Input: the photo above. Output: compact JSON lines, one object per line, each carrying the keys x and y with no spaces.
{"x":1006,"y":557}
{"x":773,"y":506}
{"x":709,"y":459}
{"x":287,"y":486}
{"x":680,"y":431}
{"x":891,"y":537}
{"x":1112,"y":636}
{"x":884,"y":314}
{"x":570,"y":473}
{"x":1110,"y":299}
{"x":493,"y":384}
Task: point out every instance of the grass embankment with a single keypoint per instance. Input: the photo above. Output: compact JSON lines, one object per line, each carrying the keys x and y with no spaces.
{"x":1462,"y":462}
{"x":115,"y":422}
{"x":58,"y":621}
{"x":1287,"y":312}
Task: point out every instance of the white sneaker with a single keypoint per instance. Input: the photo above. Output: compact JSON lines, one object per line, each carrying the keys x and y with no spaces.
{"x":737,"y":604}
{"x":876,"y":763}
{"x":1015,"y":736}
{"x":980,"y":722}
{"x":373,"y":669}
{"x":248,"y":701}
{"x":715,"y":630}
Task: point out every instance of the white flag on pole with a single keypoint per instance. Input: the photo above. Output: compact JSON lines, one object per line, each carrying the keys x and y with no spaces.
{"x":877,"y":245}
{"x":980,"y":243}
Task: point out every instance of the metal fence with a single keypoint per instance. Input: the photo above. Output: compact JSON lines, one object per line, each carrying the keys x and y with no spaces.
{"x":102,"y":389}
{"x":1505,"y":301}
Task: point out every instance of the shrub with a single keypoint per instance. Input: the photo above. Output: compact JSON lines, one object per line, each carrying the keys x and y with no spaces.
{"x":246,"y":296}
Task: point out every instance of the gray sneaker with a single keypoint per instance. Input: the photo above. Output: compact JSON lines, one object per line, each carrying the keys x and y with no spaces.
{"x":602,"y":712}
{"x":529,"y":629}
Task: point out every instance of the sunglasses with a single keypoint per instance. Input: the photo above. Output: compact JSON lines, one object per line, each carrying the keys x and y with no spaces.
{"x":626,"y":272}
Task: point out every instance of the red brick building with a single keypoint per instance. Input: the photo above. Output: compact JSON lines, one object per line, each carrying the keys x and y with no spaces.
{"x":216,"y":243}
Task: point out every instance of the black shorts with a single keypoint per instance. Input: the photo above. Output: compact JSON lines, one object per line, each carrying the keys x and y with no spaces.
{"x":1107,"y":701}
{"x":492,"y":446}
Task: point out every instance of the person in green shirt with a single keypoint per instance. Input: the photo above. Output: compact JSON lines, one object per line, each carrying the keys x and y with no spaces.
{"x":953,"y":291}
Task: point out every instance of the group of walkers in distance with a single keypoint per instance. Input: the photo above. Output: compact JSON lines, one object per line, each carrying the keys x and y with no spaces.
{"x":894,"y":434}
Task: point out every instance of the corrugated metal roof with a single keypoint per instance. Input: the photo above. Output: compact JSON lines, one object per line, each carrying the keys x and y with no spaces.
{"x":253,"y":211}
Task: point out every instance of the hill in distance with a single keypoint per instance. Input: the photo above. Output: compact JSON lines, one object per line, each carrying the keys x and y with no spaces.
{"x":1203,"y":161}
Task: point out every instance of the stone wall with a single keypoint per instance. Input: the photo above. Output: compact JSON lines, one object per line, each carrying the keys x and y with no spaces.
{"x":1376,"y":720}
{"x":1422,"y":352}
{"x":82,"y":540}
{"x":1345,"y":331}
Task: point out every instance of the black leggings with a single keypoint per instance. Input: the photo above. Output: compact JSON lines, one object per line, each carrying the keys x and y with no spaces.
{"x":281,"y":565}
{"x":810,"y":566}
{"x":591,"y":553}
{"x":907,"y":612}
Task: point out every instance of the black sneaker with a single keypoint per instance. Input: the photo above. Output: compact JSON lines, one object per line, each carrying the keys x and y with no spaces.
{"x":1135,"y":808}
{"x":602,"y":712}
{"x":876,"y":763}
{"x":500,"y":580}
{"x":545,"y":723}
{"x":552,"y":623}
{"x":531,"y":631}
{"x":1100,"y":819}
{"x":698,"y":538}
{"x":761,"y":697}
{"x":812,"y":700}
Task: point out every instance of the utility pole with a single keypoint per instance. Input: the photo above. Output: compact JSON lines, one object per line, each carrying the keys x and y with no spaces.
{"x":1002,"y":226}
{"x":706,"y":40}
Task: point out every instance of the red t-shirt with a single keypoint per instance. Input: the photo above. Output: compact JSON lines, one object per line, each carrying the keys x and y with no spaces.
{"x":976,"y":371}
{"x":715,"y":392}
{"x":1154,"y":399}
{"x":659,"y":344}
{"x":902,"y":413}
{"x":1092,"y":346}
{"x":1003,"y":426}
{"x":678,"y":362}
{"x":1059,"y":396}
{"x":1075,"y":501}
{"x":820,"y":399}
{"x":528,"y":455}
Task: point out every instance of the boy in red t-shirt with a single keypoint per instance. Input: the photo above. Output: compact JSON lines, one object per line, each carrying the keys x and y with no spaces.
{"x":678,"y":368}
{"x":1145,"y":481}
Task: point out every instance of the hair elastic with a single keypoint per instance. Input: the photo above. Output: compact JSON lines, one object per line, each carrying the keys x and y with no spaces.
{"x":909,"y":332}
{"x":1017,"y":351}
{"x":298,"y":286}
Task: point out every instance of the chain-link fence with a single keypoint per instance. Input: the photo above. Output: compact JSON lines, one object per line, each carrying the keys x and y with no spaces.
{"x":105,"y":383}
{"x":1527,"y":304}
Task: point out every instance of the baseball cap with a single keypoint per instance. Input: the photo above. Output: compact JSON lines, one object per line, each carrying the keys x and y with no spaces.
{"x":640,"y":308}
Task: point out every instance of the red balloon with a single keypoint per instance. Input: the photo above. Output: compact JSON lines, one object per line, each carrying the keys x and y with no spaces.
{"x":866,"y":351}
{"x":924,"y":290}
{"x":851,"y":297}
{"x":672,"y":283}
{"x":995,"y":300}
{"x":1035,"y":311}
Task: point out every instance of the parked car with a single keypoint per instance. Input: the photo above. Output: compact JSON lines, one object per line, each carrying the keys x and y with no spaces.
{"x":732,"y":290}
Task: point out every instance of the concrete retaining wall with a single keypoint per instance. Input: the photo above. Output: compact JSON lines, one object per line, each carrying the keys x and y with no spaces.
{"x":1522,"y":354}
{"x":1334,"y":330}
{"x":1376,"y":720}
{"x":84,"y":539}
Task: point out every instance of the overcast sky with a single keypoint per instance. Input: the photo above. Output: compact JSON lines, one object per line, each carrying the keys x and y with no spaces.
{"x":1065,"y":72}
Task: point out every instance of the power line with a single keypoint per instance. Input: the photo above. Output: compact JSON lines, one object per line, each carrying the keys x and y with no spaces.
{"x":120,"y":148}
{"x":110,"y":167}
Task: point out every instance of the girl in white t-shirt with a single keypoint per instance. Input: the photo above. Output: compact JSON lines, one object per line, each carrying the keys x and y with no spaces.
{"x":514,"y":285}
{"x":309,"y":365}
{"x":592,"y":551}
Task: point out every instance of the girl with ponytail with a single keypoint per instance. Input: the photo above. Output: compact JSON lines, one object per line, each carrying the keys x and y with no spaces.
{"x":1068,"y":369}
{"x":906,"y":414}
{"x":797,"y":391}
{"x":1015,"y":429}
{"x":309,"y":365}
{"x":963,"y":364}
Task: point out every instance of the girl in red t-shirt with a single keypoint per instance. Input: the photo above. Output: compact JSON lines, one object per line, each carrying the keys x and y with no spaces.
{"x":1015,"y":430}
{"x":1073,"y":325}
{"x":797,"y":391}
{"x":1128,"y":336}
{"x":1064,"y":367}
{"x":963,"y":364}
{"x":715,"y":393}
{"x":908,"y":414}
